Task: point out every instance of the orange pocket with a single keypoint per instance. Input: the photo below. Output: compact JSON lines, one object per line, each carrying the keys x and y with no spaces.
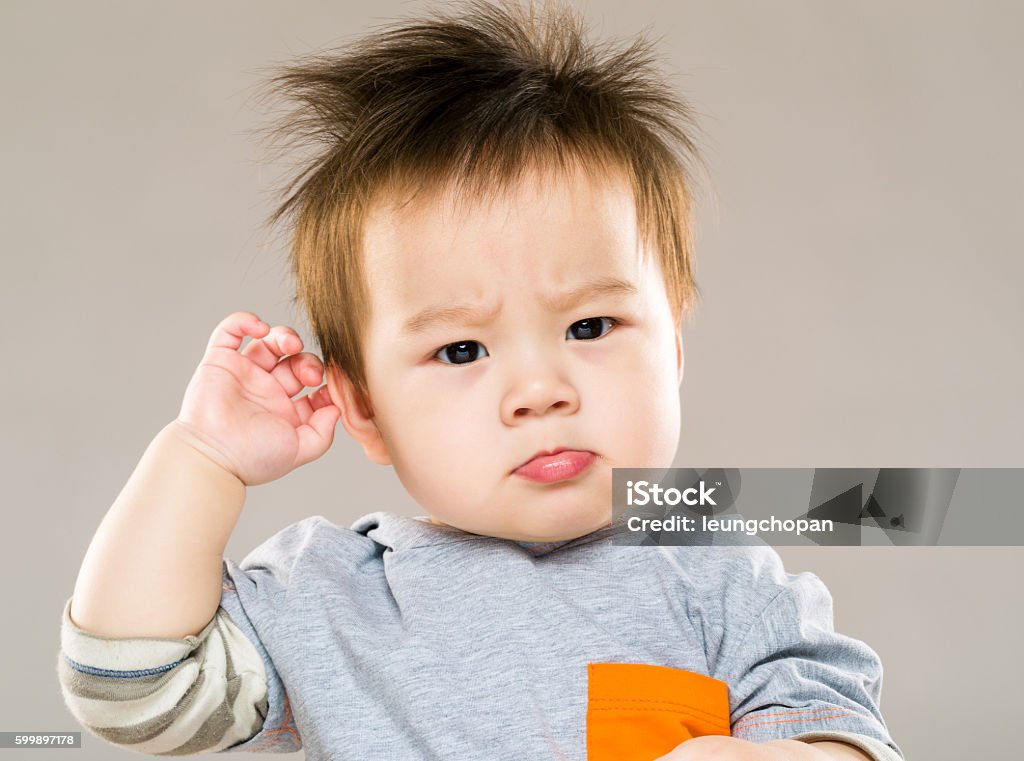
{"x":637,"y":712}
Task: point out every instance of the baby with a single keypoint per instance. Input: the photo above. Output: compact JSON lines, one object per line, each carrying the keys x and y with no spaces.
{"x":494,"y":252}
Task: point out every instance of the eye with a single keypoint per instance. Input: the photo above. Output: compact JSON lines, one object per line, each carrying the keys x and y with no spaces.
{"x":590,"y":328}
{"x":461,"y":353}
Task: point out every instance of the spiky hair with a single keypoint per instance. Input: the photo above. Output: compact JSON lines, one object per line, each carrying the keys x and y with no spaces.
{"x":470,"y":99}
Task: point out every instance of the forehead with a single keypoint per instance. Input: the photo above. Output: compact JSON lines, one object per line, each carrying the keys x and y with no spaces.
{"x":550,"y":231}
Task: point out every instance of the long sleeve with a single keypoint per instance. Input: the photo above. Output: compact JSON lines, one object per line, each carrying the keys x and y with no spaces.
{"x":203,"y":693}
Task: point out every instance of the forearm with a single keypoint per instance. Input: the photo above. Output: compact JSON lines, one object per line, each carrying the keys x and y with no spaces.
{"x":821,"y":751}
{"x":840,"y":751}
{"x":153,"y":568}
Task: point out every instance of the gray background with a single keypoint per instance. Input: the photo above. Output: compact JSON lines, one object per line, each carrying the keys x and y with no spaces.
{"x":861,"y":272}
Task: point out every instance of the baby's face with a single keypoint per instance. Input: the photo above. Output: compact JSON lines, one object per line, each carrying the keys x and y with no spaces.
{"x":522,"y":327}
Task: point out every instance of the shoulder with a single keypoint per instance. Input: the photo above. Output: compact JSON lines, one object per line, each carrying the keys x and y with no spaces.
{"x":717,"y":568}
{"x":298,"y":556}
{"x":309,"y":539}
{"x":288,"y":543}
{"x":737,"y":584}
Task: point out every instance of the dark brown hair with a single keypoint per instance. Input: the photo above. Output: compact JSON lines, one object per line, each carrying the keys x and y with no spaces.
{"x":469,"y":100}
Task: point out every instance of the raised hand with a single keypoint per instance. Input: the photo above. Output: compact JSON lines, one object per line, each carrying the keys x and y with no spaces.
{"x":239,"y":408}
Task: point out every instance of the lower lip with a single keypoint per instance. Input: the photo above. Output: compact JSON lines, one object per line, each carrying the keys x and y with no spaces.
{"x":556,"y":467}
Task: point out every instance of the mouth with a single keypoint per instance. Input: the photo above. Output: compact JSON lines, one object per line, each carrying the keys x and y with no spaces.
{"x":558,"y":464}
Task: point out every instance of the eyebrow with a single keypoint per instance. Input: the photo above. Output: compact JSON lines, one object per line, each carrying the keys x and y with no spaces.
{"x":475,"y":315}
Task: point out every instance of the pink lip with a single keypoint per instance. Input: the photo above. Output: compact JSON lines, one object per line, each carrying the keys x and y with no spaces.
{"x":559,"y":465}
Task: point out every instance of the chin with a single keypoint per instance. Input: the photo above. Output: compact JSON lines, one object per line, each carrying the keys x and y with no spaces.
{"x":558,"y":526}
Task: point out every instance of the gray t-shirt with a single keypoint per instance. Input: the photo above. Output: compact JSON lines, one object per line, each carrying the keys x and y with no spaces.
{"x":402,"y":639}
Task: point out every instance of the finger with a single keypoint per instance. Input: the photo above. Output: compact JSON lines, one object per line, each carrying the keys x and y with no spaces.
{"x":298,"y":371}
{"x":267,"y":352}
{"x":321,"y":397}
{"x":304,"y":409}
{"x":317,"y":435}
{"x":306,"y":405}
{"x":233,"y":329}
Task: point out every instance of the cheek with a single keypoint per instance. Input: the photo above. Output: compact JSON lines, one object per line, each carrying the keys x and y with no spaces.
{"x":646,"y":417}
{"x":431,"y":435}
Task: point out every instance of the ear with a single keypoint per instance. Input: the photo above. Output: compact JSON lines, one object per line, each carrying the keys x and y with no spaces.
{"x":356,"y":417}
{"x":679,"y":355}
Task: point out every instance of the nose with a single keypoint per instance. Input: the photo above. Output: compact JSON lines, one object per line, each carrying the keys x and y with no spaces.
{"x":537,"y":391}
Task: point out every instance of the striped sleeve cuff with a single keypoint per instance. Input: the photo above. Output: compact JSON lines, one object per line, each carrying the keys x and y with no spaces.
{"x":876,"y":749}
{"x":202,"y":693}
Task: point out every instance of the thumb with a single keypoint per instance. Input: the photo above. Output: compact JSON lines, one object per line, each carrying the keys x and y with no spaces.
{"x":317,"y":434}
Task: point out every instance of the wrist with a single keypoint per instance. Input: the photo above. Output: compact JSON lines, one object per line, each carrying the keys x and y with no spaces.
{"x":191,"y":443}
